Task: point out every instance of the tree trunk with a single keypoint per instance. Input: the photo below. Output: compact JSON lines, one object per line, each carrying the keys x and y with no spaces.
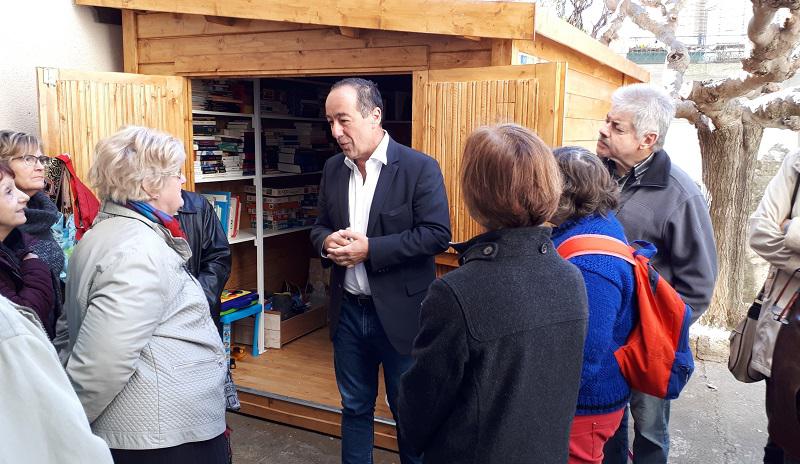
{"x":729,"y":157}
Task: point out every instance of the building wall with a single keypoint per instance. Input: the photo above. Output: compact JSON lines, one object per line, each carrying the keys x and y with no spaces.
{"x":52,"y":33}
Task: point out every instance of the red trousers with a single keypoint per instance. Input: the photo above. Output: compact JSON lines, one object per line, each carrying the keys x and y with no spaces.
{"x":589,"y":434}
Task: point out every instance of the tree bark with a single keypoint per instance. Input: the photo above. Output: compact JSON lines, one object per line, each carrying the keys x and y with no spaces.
{"x":729,"y":158}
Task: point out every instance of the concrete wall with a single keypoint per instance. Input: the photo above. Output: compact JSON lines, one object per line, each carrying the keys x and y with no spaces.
{"x":53,"y":33}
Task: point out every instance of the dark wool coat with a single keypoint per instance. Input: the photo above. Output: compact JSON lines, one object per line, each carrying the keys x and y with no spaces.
{"x":497,"y":362}
{"x":27,"y":283}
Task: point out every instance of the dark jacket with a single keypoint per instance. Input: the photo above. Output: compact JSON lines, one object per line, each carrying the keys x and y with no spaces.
{"x":667,"y":209}
{"x":497,"y":362}
{"x":26,"y":283}
{"x":409,"y":224}
{"x":211,"y":256}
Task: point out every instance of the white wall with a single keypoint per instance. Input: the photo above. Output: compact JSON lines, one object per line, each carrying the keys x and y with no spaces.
{"x":52,"y":33}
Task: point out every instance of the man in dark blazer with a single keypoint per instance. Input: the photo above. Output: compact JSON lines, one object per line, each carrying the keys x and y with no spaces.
{"x":383,"y":216}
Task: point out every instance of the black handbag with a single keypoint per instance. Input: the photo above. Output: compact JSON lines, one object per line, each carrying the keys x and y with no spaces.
{"x":783,"y":388}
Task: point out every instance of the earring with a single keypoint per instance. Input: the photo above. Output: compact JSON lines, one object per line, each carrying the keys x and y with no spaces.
{"x":155,"y":197}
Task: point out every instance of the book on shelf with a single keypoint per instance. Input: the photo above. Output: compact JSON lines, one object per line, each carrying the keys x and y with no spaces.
{"x":228,"y":207}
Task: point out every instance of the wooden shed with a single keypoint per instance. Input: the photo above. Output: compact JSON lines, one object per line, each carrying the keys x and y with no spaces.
{"x":451,"y":66}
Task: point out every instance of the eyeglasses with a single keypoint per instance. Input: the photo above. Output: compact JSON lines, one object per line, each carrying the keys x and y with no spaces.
{"x":30,"y":160}
{"x":178,"y":174}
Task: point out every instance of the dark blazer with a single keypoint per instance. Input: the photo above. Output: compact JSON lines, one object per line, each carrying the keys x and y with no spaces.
{"x":409,"y":223}
{"x":497,"y":362}
{"x":211,"y":256}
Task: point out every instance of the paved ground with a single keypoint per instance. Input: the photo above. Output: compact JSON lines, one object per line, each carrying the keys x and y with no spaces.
{"x":717,"y":420}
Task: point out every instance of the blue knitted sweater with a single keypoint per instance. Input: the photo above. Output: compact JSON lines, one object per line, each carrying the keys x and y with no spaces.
{"x":611,"y":291}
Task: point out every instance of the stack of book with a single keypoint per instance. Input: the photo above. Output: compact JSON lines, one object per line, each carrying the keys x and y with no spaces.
{"x":284,"y":208}
{"x":218,"y":95}
{"x":218,"y":153}
{"x":228,"y":208}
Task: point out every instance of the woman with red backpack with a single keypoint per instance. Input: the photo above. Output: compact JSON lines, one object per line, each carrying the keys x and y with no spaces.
{"x":587,"y":203}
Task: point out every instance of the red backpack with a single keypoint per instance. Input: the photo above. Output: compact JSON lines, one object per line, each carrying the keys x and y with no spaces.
{"x":656,"y":358}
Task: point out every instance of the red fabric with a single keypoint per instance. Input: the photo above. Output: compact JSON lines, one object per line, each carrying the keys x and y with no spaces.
{"x":589,"y":434}
{"x":85,"y":205}
{"x":648,"y":355}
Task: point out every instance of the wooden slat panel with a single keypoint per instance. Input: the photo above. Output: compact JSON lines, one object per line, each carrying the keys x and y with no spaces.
{"x":165,"y":50}
{"x":152,"y":25}
{"x":579,"y":106}
{"x":580,"y":83}
{"x":468,"y":59}
{"x":453,"y":111}
{"x":511,"y":20}
{"x":299,"y":61}
{"x":79,"y":108}
{"x":436,"y":43}
{"x":581,"y":129}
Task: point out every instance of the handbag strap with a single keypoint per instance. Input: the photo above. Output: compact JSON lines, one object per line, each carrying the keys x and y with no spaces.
{"x":794,"y":195}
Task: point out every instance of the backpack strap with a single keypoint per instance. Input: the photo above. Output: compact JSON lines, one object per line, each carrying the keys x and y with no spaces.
{"x":595,"y":244}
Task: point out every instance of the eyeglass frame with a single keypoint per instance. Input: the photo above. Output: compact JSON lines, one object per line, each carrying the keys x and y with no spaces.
{"x":44,"y":160}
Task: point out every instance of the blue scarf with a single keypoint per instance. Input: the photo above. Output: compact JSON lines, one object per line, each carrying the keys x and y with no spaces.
{"x":156,"y":215}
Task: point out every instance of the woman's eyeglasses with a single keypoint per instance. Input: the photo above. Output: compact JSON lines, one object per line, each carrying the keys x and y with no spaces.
{"x":30,"y":160}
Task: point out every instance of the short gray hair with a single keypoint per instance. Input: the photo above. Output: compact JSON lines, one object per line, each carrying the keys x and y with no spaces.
{"x":652,"y":109}
{"x":133,"y":159}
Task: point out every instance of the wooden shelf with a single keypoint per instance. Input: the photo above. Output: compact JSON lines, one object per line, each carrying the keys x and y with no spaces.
{"x":244,"y":235}
{"x":222,"y":113}
{"x":287,"y":174}
{"x":272,"y":233}
{"x":204,"y":180}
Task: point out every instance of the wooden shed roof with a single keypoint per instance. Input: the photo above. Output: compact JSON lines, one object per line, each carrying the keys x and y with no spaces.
{"x":515,"y":20}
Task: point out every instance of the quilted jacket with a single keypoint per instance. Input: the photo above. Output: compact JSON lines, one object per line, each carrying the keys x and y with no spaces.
{"x":144,"y":356}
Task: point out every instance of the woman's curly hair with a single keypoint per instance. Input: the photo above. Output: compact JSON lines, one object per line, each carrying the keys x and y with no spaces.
{"x":588,"y":186}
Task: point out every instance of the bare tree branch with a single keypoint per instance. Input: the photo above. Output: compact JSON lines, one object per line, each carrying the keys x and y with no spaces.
{"x":602,"y":21}
{"x":611,"y":33}
{"x":779,"y":110}
{"x":578,"y":7}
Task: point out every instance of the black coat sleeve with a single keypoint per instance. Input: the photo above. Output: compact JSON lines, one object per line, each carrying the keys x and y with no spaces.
{"x":215,"y":258}
{"x":429,"y":389}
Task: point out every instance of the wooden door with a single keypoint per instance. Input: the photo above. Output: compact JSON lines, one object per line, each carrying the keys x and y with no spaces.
{"x":79,"y":108}
{"x":449,"y":104}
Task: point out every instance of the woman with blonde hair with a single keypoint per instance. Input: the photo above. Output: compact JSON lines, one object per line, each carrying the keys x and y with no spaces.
{"x":497,"y":360}
{"x":23,"y":153}
{"x":144,"y":355}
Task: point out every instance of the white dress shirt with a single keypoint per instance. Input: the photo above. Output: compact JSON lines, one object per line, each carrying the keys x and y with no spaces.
{"x":360,"y":193}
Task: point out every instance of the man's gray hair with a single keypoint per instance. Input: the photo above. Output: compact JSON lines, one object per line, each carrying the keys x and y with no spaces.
{"x":651,"y":107}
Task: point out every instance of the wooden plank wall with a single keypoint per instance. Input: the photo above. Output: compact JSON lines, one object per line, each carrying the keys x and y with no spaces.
{"x":190,"y":45}
{"x":588,"y":89}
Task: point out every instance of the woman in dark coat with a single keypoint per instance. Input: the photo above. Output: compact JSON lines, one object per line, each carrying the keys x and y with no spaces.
{"x":24,"y":278}
{"x":24,"y":156}
{"x":497,"y":361}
